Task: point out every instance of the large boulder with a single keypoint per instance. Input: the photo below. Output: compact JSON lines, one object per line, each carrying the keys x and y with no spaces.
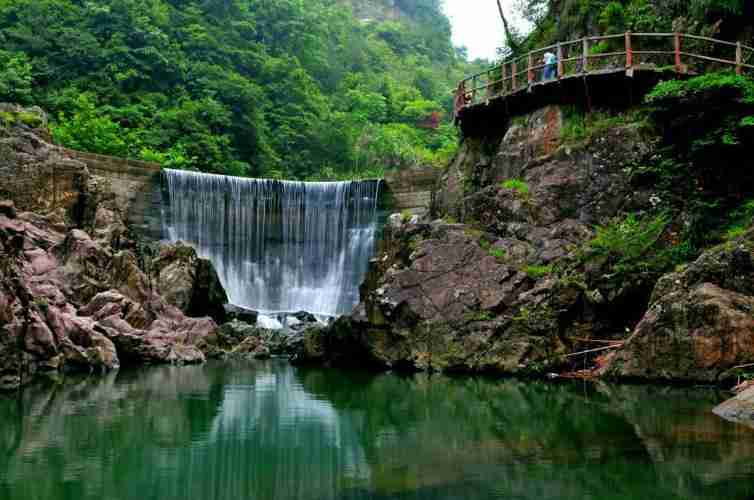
{"x":699,"y":325}
{"x":442,"y":298}
{"x":189,"y":282}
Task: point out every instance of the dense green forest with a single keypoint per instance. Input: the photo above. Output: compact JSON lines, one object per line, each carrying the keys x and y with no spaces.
{"x":561,"y":20}
{"x":274,"y":88}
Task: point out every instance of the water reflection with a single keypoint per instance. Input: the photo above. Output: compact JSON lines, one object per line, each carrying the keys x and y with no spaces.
{"x":270,"y":431}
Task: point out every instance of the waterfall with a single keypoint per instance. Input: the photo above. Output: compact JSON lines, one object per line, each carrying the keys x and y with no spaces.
{"x":278,"y":246}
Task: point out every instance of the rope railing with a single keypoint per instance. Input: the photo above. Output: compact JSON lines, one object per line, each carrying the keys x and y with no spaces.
{"x":679,"y":52}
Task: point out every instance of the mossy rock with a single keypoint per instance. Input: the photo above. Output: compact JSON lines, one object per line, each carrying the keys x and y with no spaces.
{"x":7,"y":119}
{"x":32,"y":120}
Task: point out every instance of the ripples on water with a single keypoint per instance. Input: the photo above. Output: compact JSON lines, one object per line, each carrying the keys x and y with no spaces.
{"x":270,"y":431}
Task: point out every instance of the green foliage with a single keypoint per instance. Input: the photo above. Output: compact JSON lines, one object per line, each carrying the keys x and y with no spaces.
{"x":579,"y":126}
{"x":478,"y":316}
{"x":517,"y":185}
{"x":703,"y":8}
{"x":498,"y":253}
{"x":15,"y":77}
{"x":88,"y":130}
{"x":741,"y":220}
{"x":747,"y":121}
{"x":707,"y":126}
{"x":630,"y":238}
{"x":570,"y":19}
{"x":722,"y":84}
{"x":613,"y":17}
{"x":280,"y":88}
{"x":175,"y":157}
{"x":537,"y":272}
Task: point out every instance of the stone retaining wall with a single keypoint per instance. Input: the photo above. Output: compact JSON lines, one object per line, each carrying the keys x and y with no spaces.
{"x":411,"y":189}
{"x":136,"y":185}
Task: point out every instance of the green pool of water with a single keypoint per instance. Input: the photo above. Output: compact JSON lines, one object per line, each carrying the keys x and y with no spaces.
{"x":271,"y":431}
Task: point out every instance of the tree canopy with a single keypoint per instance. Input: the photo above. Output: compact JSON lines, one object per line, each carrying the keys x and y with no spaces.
{"x":276,"y":88}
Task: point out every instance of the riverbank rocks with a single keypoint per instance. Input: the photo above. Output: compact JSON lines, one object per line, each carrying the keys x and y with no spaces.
{"x":739,"y":409}
{"x":237,"y":339}
{"x":700,"y":323}
{"x":189,"y":283}
{"x":69,"y":302}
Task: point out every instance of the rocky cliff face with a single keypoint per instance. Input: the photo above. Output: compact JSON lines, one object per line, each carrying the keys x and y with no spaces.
{"x":496,"y":281}
{"x":76,"y":291}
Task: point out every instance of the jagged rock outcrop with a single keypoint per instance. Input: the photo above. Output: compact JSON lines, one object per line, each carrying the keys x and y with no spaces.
{"x":37,"y":176}
{"x":77,"y":291}
{"x":189,"y":283}
{"x":69,"y":303}
{"x":476,"y":290}
{"x":700,"y":323}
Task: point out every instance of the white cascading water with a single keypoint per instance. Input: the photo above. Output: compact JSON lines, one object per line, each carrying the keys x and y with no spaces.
{"x":278,"y":246}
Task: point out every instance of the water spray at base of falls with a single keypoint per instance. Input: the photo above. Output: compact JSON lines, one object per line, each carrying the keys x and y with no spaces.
{"x":278,"y":246}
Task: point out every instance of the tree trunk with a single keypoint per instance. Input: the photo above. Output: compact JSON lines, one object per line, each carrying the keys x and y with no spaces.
{"x":512,"y":43}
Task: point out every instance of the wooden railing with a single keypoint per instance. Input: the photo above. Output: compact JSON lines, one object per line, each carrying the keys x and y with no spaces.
{"x":677,"y":52}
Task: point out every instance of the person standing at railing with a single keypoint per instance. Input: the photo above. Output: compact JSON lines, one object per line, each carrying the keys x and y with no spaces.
{"x":551,"y":61}
{"x":460,"y":101}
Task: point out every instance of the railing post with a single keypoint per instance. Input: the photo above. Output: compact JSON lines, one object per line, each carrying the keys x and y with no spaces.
{"x":678,"y":65}
{"x":561,"y":67}
{"x":530,"y":72}
{"x":504,"y":84}
{"x":739,"y":59}
{"x":629,"y":51}
{"x":514,"y":71}
{"x":585,"y":56}
{"x":473,"y":90}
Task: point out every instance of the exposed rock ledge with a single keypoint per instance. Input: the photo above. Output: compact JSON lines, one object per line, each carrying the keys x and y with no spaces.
{"x":69,"y":303}
{"x":77,"y":290}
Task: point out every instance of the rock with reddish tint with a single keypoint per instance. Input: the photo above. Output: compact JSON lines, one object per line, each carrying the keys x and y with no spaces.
{"x":443,"y":301}
{"x":70,"y":302}
{"x":700,"y":323}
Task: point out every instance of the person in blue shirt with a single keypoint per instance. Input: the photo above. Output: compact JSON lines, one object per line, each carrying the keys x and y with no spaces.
{"x":550,"y":61}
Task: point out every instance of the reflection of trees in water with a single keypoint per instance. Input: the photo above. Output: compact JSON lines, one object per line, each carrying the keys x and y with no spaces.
{"x":80,"y":437}
{"x":532,"y":440}
{"x":268,"y":430}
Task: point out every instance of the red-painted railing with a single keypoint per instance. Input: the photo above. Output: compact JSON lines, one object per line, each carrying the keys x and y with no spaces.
{"x":678,"y":52}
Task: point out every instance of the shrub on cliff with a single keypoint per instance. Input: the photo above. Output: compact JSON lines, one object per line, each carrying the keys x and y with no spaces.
{"x":703,"y":169}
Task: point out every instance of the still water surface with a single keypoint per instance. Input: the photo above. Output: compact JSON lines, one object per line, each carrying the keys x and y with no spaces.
{"x":268,"y":431}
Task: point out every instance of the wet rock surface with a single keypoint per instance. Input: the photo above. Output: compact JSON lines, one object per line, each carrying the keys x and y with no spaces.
{"x":237,"y":339}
